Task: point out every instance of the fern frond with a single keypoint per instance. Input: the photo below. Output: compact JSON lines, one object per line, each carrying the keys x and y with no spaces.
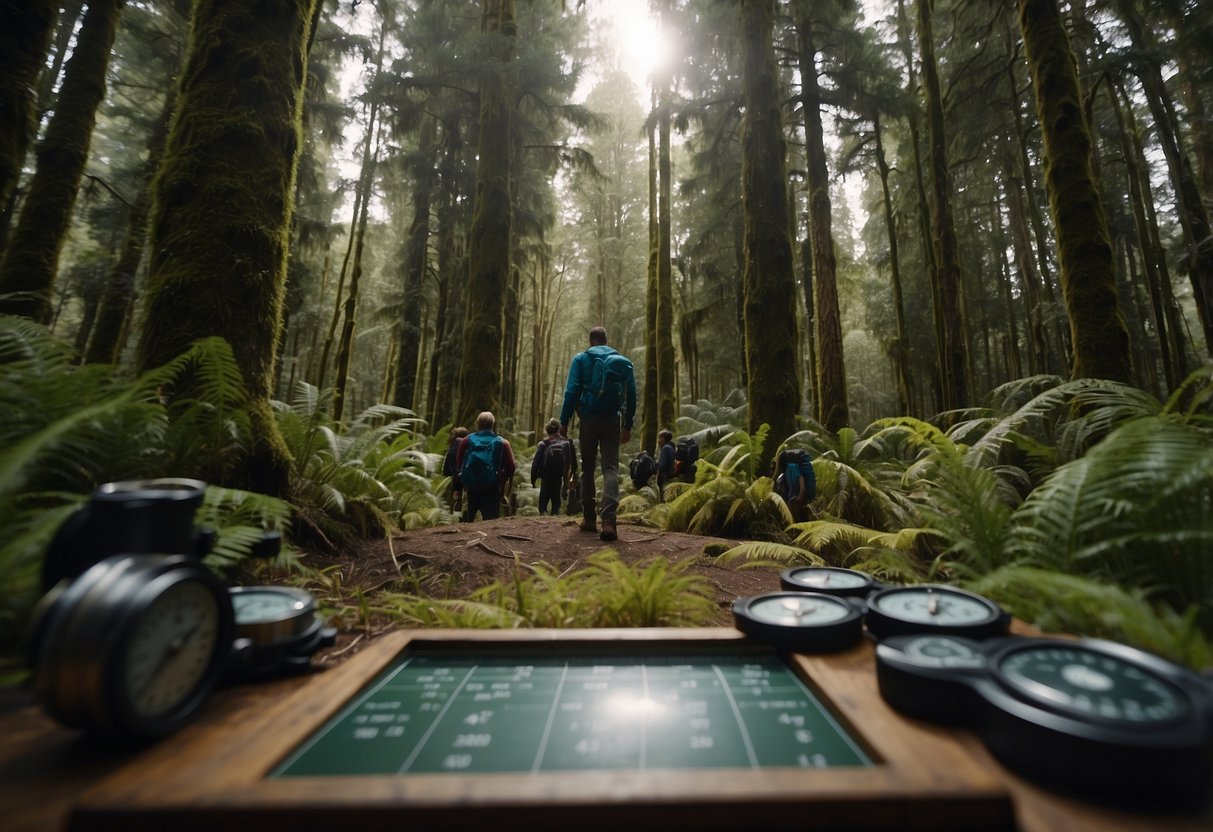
{"x":767,"y":551}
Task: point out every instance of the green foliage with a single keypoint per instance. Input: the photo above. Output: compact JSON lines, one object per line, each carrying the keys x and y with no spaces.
{"x":1060,"y":602}
{"x":607,"y":593}
{"x":367,"y":478}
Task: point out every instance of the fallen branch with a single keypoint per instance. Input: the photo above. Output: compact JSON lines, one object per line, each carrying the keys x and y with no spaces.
{"x":516,"y":537}
{"x":480,"y":544}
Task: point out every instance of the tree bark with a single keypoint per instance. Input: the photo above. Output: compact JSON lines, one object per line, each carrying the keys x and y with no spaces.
{"x":667,"y":378}
{"x":950,"y":347}
{"x":31,"y":259}
{"x":222,"y":207}
{"x":25,"y":36}
{"x":489,"y":255}
{"x":1097,"y":330}
{"x":1193,"y":217}
{"x":118,"y":298}
{"x":901,"y":346}
{"x":652,"y":418}
{"x":415,"y":259}
{"x":831,"y":398}
{"x":768,"y":279}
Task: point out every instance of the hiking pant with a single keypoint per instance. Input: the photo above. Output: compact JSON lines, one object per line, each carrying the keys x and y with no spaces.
{"x":549,"y":496}
{"x":485,"y":500}
{"x":600,"y":432}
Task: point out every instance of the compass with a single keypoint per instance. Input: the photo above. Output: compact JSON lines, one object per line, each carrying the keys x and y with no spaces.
{"x":806,"y":622}
{"x":927,"y":608}
{"x":832,"y":580}
{"x":1092,"y":716}
{"x":133,"y":646}
{"x":281,"y":627}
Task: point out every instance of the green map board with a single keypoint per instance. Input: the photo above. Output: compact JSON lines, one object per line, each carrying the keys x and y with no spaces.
{"x":435,"y":711}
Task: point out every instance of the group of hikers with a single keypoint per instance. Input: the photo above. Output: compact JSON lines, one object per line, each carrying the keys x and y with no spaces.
{"x":601,"y":389}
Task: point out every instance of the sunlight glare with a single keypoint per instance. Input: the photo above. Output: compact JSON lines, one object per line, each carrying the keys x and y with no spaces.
{"x":631,"y":708}
{"x":641,"y":47}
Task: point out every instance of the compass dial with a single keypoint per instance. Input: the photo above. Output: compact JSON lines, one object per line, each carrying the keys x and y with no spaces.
{"x":831,"y":580}
{"x":933,"y":609}
{"x":942,"y":651}
{"x":806,"y":621}
{"x":1087,"y":684}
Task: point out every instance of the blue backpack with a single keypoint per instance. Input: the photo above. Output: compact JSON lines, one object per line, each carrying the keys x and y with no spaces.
{"x":482,"y":461}
{"x":791,"y":466}
{"x":605,"y":391}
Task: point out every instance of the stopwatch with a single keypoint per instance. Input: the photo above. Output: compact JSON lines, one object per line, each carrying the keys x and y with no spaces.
{"x":805,"y":622}
{"x":281,"y":628}
{"x":1092,"y":716}
{"x":832,"y":580}
{"x":926,"y":608}
{"x":131,"y":648}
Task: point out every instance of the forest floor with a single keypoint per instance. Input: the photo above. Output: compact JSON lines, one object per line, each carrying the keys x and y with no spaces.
{"x":468,"y":556}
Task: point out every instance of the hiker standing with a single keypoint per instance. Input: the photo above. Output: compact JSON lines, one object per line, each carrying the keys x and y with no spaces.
{"x":555,"y":466}
{"x":601,"y":388}
{"x":485,"y":462}
{"x":450,"y":467}
{"x":665,"y":460}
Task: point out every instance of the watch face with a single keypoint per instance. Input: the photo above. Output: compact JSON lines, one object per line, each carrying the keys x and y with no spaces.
{"x":798,"y":610}
{"x":942,"y":651}
{"x":1094,"y":685}
{"x":934,"y":606}
{"x":253,"y":605}
{"x":171,"y":648}
{"x":826,"y":579}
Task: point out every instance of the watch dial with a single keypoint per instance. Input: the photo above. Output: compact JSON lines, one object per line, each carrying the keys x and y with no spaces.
{"x":171,"y":648}
{"x":941,"y":651}
{"x":826,"y":578}
{"x":934,"y":606}
{"x":1085,"y":683}
{"x":262,"y":605}
{"x":799,"y":610}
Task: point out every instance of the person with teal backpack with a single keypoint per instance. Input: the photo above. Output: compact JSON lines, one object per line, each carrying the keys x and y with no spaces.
{"x":485,"y":462}
{"x":601,"y":387}
{"x":795,"y":480}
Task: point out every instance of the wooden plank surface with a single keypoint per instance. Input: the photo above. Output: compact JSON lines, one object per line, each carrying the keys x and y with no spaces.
{"x":211,"y":775}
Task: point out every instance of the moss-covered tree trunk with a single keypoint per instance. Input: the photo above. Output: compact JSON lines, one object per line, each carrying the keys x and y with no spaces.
{"x":444,"y":363}
{"x":667,"y":377}
{"x":31,"y":259}
{"x":950,"y":346}
{"x":1097,"y":330}
{"x":652,"y":419}
{"x":901,"y":347}
{"x":25,"y":36}
{"x":349,"y":310}
{"x":768,"y":279}
{"x":118,"y":297}
{"x":831,"y":399}
{"x":489,"y":253}
{"x":413,"y":267}
{"x":222,"y":207}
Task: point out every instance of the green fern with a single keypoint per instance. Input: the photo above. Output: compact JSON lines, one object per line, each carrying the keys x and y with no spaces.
{"x":1058,"y":602}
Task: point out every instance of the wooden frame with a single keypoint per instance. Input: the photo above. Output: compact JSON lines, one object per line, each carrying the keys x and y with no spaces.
{"x":214,"y":775}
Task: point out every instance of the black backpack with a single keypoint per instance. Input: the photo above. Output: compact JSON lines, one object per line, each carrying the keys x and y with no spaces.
{"x":555,"y":461}
{"x":642,"y":469}
{"x":686,"y":453}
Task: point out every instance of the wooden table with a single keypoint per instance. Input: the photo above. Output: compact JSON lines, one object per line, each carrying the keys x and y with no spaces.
{"x":211,"y":775}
